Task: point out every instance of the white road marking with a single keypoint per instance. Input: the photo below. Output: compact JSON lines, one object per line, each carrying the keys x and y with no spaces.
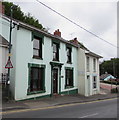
{"x":89,"y":115}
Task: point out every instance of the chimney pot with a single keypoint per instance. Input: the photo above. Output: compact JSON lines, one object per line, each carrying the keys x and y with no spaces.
{"x":57,"y":33}
{"x":2,"y":8}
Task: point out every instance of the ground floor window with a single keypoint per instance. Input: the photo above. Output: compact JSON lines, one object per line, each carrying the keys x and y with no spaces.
{"x":94,"y":82}
{"x":36,"y":78}
{"x":36,"y":83}
{"x":69,"y":77}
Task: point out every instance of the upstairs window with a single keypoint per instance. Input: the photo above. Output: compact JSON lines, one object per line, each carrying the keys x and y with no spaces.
{"x":68,"y":55}
{"x":94,"y":64}
{"x":37,"y":47}
{"x":55,"y":51}
{"x":88,"y":63}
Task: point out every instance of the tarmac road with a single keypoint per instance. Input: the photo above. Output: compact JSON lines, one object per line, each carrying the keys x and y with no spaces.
{"x":94,"y":109}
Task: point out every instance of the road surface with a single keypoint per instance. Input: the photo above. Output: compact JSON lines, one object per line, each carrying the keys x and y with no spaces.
{"x":97,"y":109}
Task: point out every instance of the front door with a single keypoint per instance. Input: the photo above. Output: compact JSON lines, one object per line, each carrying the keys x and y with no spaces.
{"x":55,"y":80}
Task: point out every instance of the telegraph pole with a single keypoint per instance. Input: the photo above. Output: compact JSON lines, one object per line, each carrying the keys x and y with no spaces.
{"x":114,"y":72}
{"x":9,"y":49}
{"x":9,"y":55}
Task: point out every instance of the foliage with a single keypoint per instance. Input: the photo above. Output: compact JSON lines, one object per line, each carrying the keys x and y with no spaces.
{"x":110,"y":66}
{"x":19,"y":15}
{"x":114,"y":90}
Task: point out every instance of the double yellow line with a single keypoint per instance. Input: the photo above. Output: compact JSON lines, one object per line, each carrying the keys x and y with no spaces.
{"x":51,"y":107}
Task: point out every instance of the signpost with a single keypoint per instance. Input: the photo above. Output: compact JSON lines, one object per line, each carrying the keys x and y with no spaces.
{"x":9,"y":64}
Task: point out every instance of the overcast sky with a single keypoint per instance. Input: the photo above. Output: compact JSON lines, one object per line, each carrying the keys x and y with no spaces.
{"x":97,"y":16}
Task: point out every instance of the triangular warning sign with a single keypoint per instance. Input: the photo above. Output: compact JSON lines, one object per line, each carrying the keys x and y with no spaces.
{"x":9,"y":64}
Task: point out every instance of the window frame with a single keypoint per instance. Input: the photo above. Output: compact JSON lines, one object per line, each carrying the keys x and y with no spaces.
{"x":94,"y":82}
{"x":94,"y":64}
{"x":39,"y":56}
{"x":71,"y":83}
{"x":56,"y":52}
{"x":69,"y":57}
{"x":88,"y":63}
{"x":38,"y":66}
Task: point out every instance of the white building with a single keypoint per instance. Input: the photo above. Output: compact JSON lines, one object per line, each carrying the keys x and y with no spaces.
{"x":3,"y":56}
{"x":46,"y":64}
{"x":88,"y":72}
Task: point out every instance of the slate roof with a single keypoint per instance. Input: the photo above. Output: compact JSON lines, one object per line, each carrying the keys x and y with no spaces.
{"x":3,"y":41}
{"x":103,"y":76}
{"x":93,"y":54}
{"x":32,"y":28}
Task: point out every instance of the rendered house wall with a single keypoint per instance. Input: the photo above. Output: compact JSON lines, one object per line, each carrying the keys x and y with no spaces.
{"x":81,"y":71}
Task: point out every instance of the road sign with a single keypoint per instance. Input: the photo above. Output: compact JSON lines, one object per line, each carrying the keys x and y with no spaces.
{"x":9,"y":64}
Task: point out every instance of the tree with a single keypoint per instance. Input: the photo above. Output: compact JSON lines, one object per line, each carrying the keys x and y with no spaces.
{"x":19,"y":15}
{"x":111,"y":66}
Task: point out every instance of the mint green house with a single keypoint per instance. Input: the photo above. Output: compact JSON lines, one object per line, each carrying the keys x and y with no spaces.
{"x":44,"y":64}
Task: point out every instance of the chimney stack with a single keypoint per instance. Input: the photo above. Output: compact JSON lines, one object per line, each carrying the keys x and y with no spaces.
{"x":74,"y":41}
{"x":57,"y":33}
{"x":2,"y":8}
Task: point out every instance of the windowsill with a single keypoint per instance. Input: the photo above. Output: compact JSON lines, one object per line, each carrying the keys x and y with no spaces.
{"x":56,"y":60}
{"x":67,"y":87}
{"x":36,"y":57}
{"x":69,"y":62}
{"x":36,"y":92}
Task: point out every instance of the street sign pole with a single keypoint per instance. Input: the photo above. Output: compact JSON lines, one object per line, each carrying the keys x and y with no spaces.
{"x":9,"y":57}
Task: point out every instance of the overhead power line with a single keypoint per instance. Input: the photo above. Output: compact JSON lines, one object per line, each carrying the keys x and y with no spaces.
{"x":76,"y":24}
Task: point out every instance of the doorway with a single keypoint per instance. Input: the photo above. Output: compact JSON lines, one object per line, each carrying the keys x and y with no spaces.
{"x":55,"y":80}
{"x":88,"y":87}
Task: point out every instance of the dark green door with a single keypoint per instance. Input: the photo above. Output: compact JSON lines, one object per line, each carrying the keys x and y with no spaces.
{"x":55,"y":80}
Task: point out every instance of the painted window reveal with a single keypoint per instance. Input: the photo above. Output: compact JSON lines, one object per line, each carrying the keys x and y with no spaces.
{"x":94,"y":82}
{"x":94,"y":64}
{"x":37,"y":47}
{"x":68,"y":55}
{"x":55,"y":51}
{"x":88,"y":63}
{"x":69,"y":77}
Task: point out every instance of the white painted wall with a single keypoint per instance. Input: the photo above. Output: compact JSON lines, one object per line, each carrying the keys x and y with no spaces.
{"x":93,"y":73}
{"x":3,"y":49}
{"x":85,"y":86}
{"x":3,"y":60}
{"x":22,"y":53}
{"x":81,"y":71}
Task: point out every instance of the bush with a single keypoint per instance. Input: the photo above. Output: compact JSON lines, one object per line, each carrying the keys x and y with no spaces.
{"x":114,"y":90}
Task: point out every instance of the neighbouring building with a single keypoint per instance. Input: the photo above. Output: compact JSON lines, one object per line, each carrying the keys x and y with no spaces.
{"x":3,"y":58}
{"x":88,"y":71}
{"x":106,"y":77}
{"x":46,"y":64}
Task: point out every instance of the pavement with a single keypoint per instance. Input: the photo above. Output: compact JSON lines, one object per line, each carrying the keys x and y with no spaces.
{"x":57,"y":100}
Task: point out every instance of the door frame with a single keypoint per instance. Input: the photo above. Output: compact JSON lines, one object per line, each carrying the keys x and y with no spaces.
{"x":59,"y":66}
{"x":57,"y":87}
{"x":88,"y":85}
